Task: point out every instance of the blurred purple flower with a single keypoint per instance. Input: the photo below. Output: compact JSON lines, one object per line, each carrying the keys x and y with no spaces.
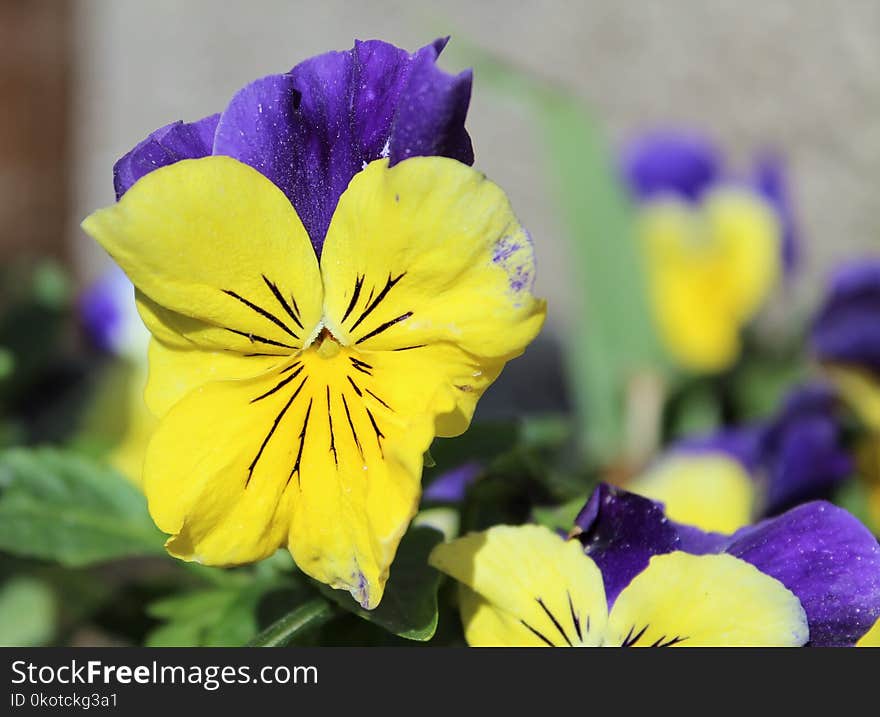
{"x":451,"y":486}
{"x":846,"y":329}
{"x":770,"y":181}
{"x":797,"y":455}
{"x":670,"y":161}
{"x":312,"y":129}
{"x":818,"y":551}
{"x":108,"y":312}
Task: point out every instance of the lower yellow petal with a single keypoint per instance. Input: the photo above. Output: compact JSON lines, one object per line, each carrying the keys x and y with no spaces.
{"x":212,"y":478}
{"x":706,"y":601}
{"x":525,"y":586}
{"x":708,"y":490}
{"x":486,"y":625}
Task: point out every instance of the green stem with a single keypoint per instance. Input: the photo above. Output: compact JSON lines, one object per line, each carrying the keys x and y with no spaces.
{"x":307,"y":616}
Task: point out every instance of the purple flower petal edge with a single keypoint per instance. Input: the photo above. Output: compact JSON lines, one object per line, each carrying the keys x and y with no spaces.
{"x":167,"y":145}
{"x":621,"y":531}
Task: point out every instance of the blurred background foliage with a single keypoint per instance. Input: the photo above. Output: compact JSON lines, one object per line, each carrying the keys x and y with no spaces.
{"x":596,"y":397}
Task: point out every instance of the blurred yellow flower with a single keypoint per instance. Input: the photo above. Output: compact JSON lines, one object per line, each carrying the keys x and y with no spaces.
{"x":711,"y":491}
{"x":710,"y":267}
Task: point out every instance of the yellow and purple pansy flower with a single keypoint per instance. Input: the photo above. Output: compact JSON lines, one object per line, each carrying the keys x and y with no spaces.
{"x":728,"y":479}
{"x":329,"y":285}
{"x":628,"y":576}
{"x":713,"y":245}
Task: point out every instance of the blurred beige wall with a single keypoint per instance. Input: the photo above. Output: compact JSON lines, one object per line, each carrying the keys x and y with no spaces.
{"x":799,"y":75}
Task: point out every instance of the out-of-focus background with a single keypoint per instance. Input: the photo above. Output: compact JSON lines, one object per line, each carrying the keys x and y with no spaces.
{"x":81,"y":81}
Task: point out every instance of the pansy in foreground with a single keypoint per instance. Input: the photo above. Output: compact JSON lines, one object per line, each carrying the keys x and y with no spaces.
{"x":713,"y":246}
{"x":324,"y":297}
{"x":725,"y":480}
{"x":527,"y":586}
{"x":826,"y":557}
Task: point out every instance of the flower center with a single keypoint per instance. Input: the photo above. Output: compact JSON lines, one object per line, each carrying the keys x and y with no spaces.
{"x":326,"y":345}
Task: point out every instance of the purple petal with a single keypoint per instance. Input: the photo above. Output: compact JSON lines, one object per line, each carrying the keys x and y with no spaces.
{"x":825,"y":557}
{"x":312,"y":129}
{"x":798,"y":455}
{"x":804,"y":455}
{"x":431,"y":112}
{"x":847,"y":327}
{"x":451,"y":486}
{"x":101,"y":312}
{"x":670,"y":161}
{"x":742,"y":444}
{"x":770,"y":181}
{"x":167,"y":145}
{"x":621,"y":531}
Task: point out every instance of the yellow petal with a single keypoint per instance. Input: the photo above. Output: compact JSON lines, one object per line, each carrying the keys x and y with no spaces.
{"x":525,"y":586}
{"x":706,"y":601}
{"x":709,"y":490}
{"x":175,"y":371}
{"x":429,"y":251}
{"x":860,"y":390}
{"x":217,"y":468}
{"x":128,"y":454}
{"x":357,"y":487}
{"x":215,"y":244}
{"x":871,"y":638}
{"x":710,"y":270}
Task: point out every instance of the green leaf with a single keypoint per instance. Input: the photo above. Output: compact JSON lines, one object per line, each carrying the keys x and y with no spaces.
{"x":208,"y":618}
{"x":52,"y":286}
{"x":56,"y":505}
{"x":409,"y":606}
{"x":307,"y":616}
{"x":7,"y":363}
{"x":559,"y":517}
{"x":27,"y":613}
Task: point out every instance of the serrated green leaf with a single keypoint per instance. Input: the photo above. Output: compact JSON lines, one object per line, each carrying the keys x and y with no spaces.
{"x":27,"y":613}
{"x":59,"y":506}
{"x":409,"y":606}
{"x":214,"y":617}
